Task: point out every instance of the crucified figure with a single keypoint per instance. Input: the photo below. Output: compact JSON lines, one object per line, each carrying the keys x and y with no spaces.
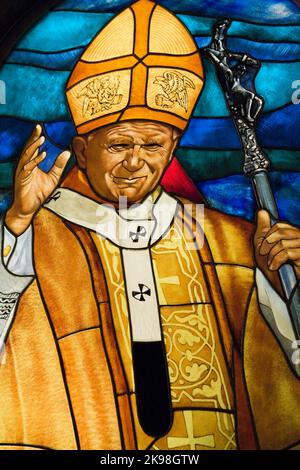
{"x":235,"y":72}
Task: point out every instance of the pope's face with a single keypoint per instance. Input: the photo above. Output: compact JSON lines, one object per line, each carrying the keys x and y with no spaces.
{"x":126,"y":159}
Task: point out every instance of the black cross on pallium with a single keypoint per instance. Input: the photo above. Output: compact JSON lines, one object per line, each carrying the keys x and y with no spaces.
{"x":140,"y":294}
{"x":140,"y":232}
{"x":54,"y":197}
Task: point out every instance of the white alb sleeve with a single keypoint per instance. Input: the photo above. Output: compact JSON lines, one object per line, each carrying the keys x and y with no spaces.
{"x":17,"y":253}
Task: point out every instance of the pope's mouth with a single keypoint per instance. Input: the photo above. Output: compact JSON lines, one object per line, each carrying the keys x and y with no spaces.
{"x":120,"y":181}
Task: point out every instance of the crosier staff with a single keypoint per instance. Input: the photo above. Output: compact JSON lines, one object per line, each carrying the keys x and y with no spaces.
{"x":236,"y":74}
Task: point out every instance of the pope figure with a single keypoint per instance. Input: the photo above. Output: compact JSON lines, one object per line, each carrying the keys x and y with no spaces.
{"x":127,"y":320}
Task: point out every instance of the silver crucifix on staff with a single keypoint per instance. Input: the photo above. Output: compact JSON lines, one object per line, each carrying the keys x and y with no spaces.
{"x":236,"y":73}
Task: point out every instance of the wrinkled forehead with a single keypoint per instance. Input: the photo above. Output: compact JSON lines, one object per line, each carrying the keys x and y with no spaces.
{"x":131,"y":129}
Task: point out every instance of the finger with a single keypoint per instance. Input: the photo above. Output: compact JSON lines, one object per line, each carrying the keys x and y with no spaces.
{"x":263,"y":223}
{"x":29,"y":151}
{"x":292,"y":254}
{"x":290,"y":233}
{"x":283,"y":232}
{"x":278,"y":226}
{"x":60,"y":164}
{"x":29,"y":154}
{"x":36,"y":153}
{"x":36,"y":133}
{"x":32,"y":164}
{"x":283,"y":245}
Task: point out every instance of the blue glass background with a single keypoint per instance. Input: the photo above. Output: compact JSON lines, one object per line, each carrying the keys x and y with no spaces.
{"x":37,"y":69}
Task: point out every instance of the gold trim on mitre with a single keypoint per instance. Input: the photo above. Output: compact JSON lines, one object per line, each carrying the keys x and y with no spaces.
{"x":144,"y":64}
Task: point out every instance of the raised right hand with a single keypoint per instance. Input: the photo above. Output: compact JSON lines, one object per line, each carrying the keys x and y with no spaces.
{"x":32,"y":186}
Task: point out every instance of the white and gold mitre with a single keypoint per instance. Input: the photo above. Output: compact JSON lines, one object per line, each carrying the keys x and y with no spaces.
{"x":144,"y":64}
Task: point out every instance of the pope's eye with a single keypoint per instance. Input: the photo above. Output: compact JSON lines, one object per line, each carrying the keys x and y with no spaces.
{"x":151,"y":147}
{"x":119,"y":147}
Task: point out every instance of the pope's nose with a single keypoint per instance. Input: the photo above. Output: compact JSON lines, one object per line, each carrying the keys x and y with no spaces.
{"x":133,"y":161}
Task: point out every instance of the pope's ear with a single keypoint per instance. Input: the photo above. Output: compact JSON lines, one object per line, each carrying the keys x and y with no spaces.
{"x":176,"y":136}
{"x":79,"y":145}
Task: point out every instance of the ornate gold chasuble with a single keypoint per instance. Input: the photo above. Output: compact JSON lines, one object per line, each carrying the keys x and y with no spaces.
{"x":201,"y":390}
{"x":66,"y":381}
